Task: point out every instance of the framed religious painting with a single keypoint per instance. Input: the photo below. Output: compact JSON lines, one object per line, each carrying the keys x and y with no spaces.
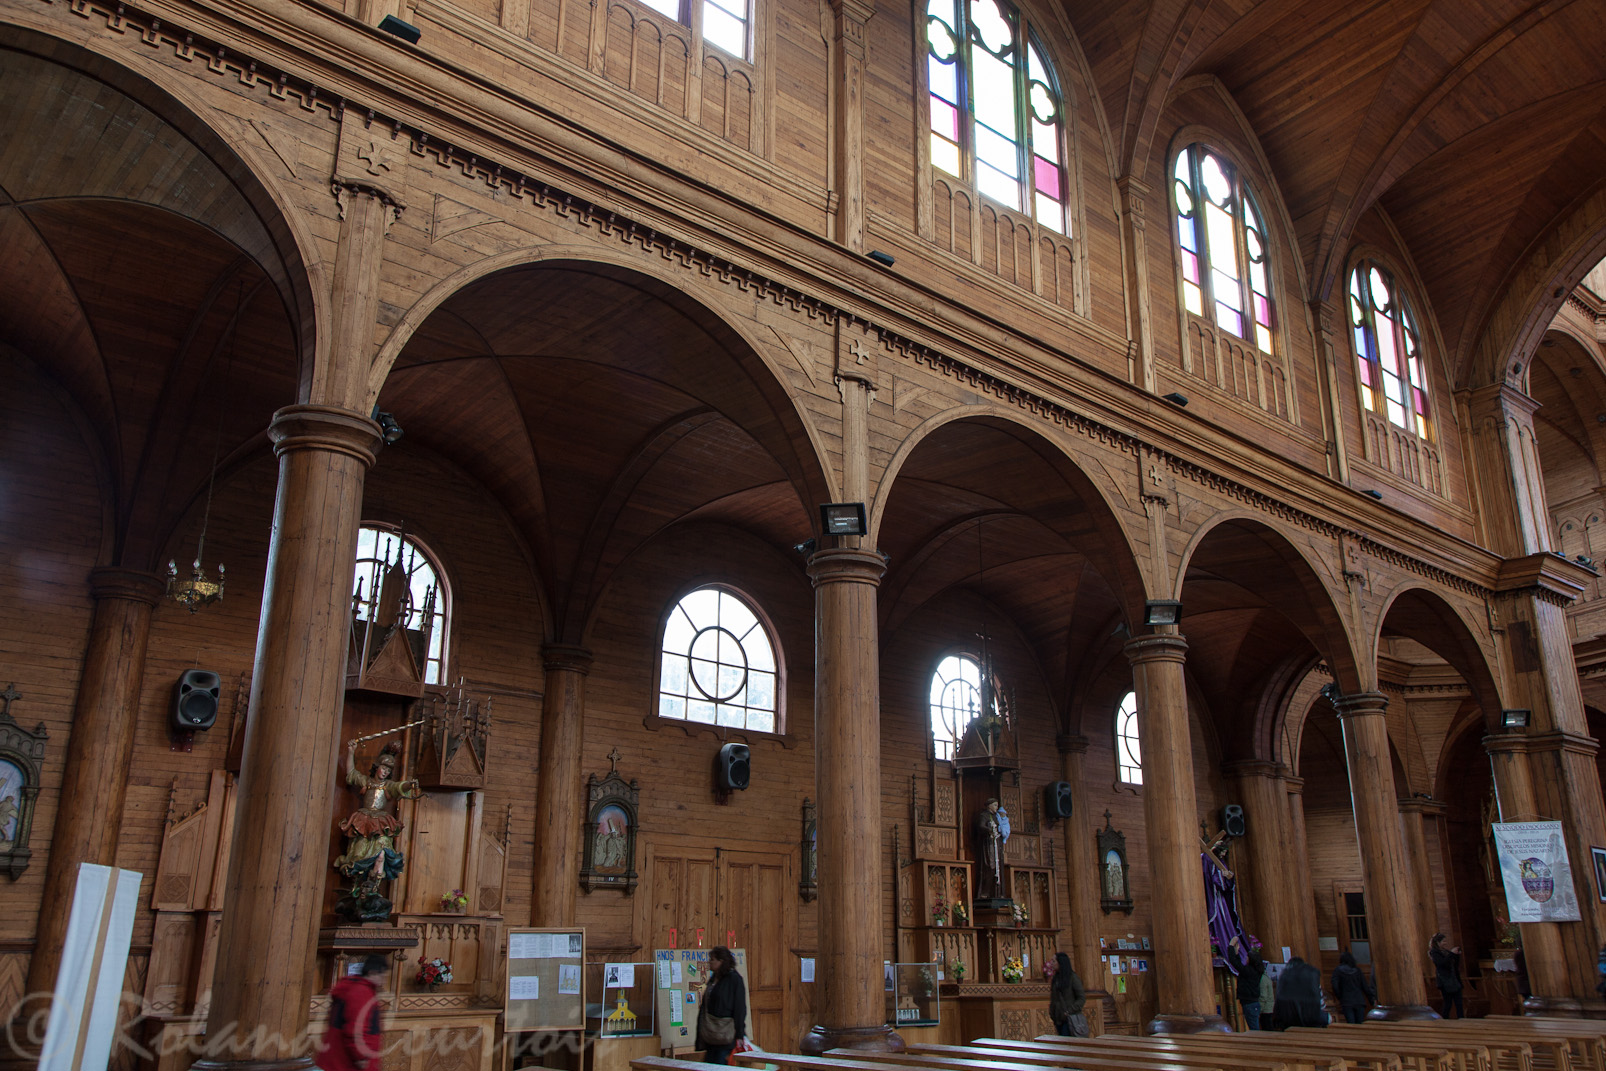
{"x":22,"y":756}
{"x":610,"y":839}
{"x":1598,"y":856}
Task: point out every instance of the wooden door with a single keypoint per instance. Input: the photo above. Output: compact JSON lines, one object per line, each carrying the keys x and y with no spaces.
{"x":755,"y":913}
{"x":701,"y":897}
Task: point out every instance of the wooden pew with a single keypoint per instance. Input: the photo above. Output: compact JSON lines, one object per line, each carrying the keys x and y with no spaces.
{"x":1470,"y":1053}
{"x":1064,"y":1050}
{"x":843,"y":1062}
{"x":1356,"y":1057}
{"x":1556,"y":1042}
{"x":981,"y":1058}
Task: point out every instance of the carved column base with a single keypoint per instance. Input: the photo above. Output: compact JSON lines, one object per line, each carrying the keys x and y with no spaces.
{"x":1400,"y":1013}
{"x":822,"y":1039}
{"x":1188,"y":1024}
{"x":1563,"y":1008}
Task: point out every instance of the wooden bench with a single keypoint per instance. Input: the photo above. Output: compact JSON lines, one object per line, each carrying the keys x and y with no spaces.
{"x":979,"y":1058}
{"x":1117,"y":1047}
{"x":1057,"y":1056}
{"x":1556,"y":1042}
{"x":1469,"y":1052}
{"x":1355,"y":1057}
{"x":788,"y":1062}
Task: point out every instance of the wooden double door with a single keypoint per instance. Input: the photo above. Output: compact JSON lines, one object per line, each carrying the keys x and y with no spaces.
{"x":739,"y":896}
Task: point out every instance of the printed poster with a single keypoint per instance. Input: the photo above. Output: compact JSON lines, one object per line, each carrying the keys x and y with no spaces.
{"x":1537,"y":874}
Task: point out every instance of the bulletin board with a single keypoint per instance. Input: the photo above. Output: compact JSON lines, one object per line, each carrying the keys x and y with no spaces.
{"x":679,"y":977}
{"x":545,"y":980}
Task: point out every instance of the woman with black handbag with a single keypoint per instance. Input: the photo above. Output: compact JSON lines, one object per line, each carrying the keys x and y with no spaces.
{"x":722,"y":1019}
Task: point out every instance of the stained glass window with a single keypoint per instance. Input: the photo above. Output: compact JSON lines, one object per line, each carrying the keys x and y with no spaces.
{"x":996,"y":110}
{"x":1128,"y":755}
{"x":724,"y":21}
{"x":717,"y":664}
{"x":1222,"y":246}
{"x":1388,"y":348}
{"x":955,"y":701}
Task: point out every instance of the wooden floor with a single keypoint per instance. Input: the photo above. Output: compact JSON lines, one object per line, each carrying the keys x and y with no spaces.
{"x":1497,"y":1043}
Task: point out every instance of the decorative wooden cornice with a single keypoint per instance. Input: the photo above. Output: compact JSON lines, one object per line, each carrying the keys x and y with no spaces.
{"x":1127,"y":405}
{"x":1546,"y":576}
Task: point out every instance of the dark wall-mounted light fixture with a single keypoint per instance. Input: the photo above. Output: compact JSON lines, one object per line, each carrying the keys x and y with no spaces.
{"x":1514,"y":719}
{"x":884,"y":259}
{"x":405,"y":30}
{"x":1162,"y":612}
{"x":1176,"y":398}
{"x":1374,"y":493}
{"x":844,"y":519}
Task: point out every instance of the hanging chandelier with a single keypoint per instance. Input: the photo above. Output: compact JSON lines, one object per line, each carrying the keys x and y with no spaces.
{"x":198,"y":589}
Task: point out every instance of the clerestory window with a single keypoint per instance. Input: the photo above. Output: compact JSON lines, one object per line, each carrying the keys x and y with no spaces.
{"x":717,"y":664}
{"x":1388,"y":348}
{"x":1128,"y":755}
{"x":997,"y":114}
{"x":724,"y":21}
{"x":1222,"y":242}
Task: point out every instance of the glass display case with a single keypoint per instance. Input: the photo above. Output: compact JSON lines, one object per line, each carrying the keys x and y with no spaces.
{"x":620,"y":1000}
{"x":912,"y":998}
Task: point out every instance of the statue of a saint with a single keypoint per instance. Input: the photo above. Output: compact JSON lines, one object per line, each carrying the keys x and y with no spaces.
{"x":992,"y":830}
{"x":371,"y":855}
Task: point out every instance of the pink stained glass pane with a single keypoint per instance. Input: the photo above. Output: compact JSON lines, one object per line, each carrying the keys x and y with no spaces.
{"x":1046,"y":174}
{"x":1262,"y":310}
{"x":944,"y":119}
{"x":1420,"y":400}
{"x":1230,"y":319}
{"x":1190,"y":266}
{"x":1366,"y":373}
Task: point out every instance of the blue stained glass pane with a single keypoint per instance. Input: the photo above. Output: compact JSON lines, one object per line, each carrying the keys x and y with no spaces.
{"x":1186,"y":234}
{"x":943,"y":79}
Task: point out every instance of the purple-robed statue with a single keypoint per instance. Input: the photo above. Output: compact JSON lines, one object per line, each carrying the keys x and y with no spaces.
{"x":1221,"y":900}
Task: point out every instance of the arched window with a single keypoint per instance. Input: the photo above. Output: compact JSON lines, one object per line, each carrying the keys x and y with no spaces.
{"x":1388,"y":348}
{"x":724,"y":21}
{"x":398,"y":580}
{"x":718,"y":664}
{"x":955,"y":701}
{"x":997,"y":115}
{"x":1128,"y":756}
{"x":1223,"y":246}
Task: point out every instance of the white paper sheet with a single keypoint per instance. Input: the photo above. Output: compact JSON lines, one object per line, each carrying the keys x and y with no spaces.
{"x":569,"y":979}
{"x":524,"y":987}
{"x":619,"y":976}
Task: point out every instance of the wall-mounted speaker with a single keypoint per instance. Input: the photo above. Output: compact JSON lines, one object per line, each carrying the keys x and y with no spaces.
{"x":733,"y":768}
{"x":195,"y":699}
{"x":1232,"y":820}
{"x":1057,"y":800}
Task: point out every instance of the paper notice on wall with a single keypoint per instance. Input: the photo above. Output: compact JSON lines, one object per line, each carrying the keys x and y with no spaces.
{"x":665,"y":980}
{"x":1537,"y":874}
{"x":569,"y":979}
{"x":524,"y":987}
{"x":677,"y":1008}
{"x":808,"y":969}
{"x":620,"y":976}
{"x":521,"y":945}
{"x":676,"y":975}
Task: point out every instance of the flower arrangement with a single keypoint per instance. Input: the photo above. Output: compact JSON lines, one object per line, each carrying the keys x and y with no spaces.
{"x":939,"y":912}
{"x":1050,"y":968}
{"x":960,"y":916}
{"x":1254,"y":943}
{"x":433,"y":972}
{"x":957,"y":969}
{"x":1022,"y":916}
{"x":456,"y":900}
{"x":1014,"y":970}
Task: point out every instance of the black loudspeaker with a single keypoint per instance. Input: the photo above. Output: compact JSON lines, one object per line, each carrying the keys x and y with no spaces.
{"x":1057,"y":800}
{"x":734,"y":767}
{"x":195,"y":700}
{"x":1232,"y":820}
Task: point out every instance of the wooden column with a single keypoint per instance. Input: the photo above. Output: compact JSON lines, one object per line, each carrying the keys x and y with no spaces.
{"x":1548,"y":770}
{"x":95,"y":772}
{"x":1305,"y":940}
{"x":1187,"y":998}
{"x":1263,"y":853}
{"x":847,"y":117}
{"x":1135,"y":255}
{"x":1414,"y":838}
{"x":1082,"y":874}
{"x":1397,"y":949}
{"x":560,"y":795}
{"x":273,"y":899}
{"x":847,"y":757}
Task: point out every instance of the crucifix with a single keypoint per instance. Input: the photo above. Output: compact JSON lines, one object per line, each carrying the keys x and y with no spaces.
{"x":8,"y":695}
{"x":613,"y":760}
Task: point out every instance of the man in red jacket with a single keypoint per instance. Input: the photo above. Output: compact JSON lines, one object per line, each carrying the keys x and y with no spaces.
{"x":355,"y":1039}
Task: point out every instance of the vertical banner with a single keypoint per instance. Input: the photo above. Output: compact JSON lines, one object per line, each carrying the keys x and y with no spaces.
{"x":89,"y":985}
{"x":1537,"y":874}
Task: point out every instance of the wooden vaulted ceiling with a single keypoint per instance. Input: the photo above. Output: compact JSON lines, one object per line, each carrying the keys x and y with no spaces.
{"x":187,"y":344}
{"x":1475,"y":126}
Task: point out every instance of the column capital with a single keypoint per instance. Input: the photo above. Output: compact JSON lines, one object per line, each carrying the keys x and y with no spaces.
{"x":1502,"y":398}
{"x":1360,"y":704}
{"x":1418,"y":805}
{"x":324,"y":427}
{"x":1158,"y":647}
{"x":1294,"y":784}
{"x":566,"y":658}
{"x":1070,"y":743}
{"x":846,"y":565}
{"x":135,"y":585}
{"x":1555,"y":740}
{"x":1252,"y":768}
